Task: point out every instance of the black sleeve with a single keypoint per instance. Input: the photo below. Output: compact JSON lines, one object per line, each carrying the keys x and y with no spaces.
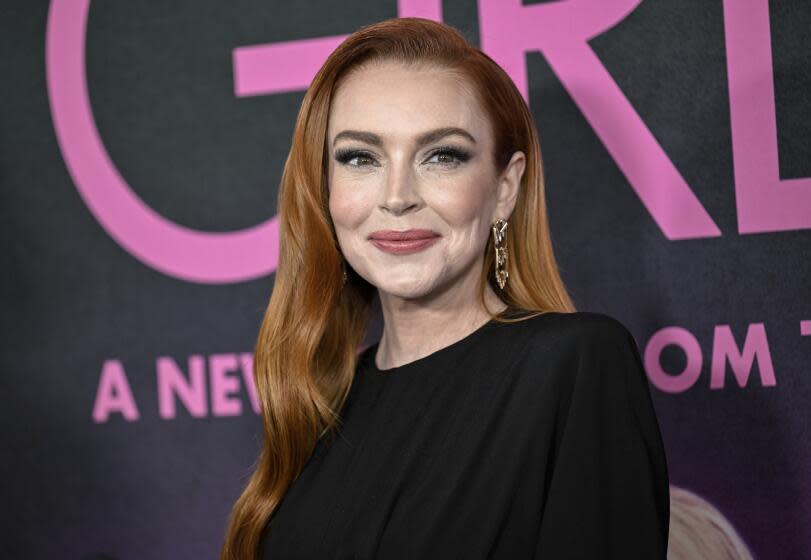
{"x":608,"y":495}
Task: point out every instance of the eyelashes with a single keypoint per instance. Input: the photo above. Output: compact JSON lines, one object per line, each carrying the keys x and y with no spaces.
{"x":344,"y":156}
{"x":459,"y":156}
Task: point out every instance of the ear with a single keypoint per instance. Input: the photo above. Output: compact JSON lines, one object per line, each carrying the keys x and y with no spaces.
{"x":509,"y":183}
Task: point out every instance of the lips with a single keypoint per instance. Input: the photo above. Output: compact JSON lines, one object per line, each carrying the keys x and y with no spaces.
{"x":403,"y":242}
{"x":407,"y":235}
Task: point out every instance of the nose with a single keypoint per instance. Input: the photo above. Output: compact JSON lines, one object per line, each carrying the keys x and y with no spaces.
{"x":399,"y":192}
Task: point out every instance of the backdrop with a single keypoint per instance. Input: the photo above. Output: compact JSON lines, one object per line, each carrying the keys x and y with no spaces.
{"x":141,"y":145}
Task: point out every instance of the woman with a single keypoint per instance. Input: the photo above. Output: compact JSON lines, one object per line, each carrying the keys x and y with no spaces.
{"x":491,"y":420}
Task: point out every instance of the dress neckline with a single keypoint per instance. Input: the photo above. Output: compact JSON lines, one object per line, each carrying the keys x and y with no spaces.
{"x":452,"y":348}
{"x":367,"y":356}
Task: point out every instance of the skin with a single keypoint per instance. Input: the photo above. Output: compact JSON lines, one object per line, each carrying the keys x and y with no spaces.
{"x":428,"y":298}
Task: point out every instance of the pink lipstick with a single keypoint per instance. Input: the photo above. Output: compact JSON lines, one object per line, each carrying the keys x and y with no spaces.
{"x":403,"y":242}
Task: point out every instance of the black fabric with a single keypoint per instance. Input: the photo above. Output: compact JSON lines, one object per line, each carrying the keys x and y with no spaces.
{"x":535,"y":439}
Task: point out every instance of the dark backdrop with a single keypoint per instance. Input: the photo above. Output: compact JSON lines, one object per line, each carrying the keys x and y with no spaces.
{"x":90,"y":325}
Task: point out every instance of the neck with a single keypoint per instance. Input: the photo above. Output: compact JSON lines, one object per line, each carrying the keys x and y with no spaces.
{"x":414,"y":329}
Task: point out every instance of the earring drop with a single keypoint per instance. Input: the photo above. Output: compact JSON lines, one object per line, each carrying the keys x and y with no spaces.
{"x":499,"y":242}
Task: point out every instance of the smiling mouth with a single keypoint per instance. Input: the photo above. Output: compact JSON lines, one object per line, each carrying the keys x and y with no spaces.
{"x":404,"y":246}
{"x":401,"y":242}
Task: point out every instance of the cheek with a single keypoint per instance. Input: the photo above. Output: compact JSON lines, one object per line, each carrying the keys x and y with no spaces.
{"x":463,"y":205}
{"x":347,"y":204}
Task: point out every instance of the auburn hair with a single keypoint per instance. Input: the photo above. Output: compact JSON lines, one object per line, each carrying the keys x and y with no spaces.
{"x":307,"y":346}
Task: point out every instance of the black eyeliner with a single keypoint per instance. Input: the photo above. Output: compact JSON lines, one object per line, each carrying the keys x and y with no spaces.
{"x":460,"y":155}
{"x":346,"y":154}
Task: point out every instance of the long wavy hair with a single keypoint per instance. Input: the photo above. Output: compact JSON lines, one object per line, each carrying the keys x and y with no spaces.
{"x":307,"y":347}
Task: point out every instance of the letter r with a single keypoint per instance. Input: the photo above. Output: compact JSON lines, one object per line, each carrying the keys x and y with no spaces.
{"x":561,"y":30}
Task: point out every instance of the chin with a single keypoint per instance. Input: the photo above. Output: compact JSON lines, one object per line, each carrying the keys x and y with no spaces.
{"x":405,"y":288}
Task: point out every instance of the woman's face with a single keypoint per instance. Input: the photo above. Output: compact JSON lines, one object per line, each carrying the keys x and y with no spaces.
{"x":389,"y":170}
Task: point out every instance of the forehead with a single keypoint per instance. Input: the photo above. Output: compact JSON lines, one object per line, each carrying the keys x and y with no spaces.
{"x":395,"y":100}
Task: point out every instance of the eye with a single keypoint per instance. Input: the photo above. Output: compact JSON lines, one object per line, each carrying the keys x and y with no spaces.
{"x":346,"y":156}
{"x":449,"y":156}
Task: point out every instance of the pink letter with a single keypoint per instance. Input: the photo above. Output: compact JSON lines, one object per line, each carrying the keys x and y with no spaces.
{"x":561,"y":31}
{"x":113,"y":394}
{"x":246,"y":360}
{"x":756,"y":345}
{"x":171,"y":381}
{"x":688,"y":343}
{"x":291,"y":65}
{"x":223,"y":386}
{"x":192,"y":255}
{"x":764,"y":201}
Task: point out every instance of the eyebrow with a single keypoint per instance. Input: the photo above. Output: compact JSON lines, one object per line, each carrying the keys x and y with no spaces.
{"x":422,"y":140}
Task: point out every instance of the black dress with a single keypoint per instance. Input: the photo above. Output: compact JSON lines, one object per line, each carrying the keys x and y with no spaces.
{"x":535,"y":439}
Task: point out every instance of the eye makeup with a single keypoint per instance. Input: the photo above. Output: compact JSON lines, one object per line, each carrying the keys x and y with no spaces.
{"x":345,"y":155}
{"x":460,"y":156}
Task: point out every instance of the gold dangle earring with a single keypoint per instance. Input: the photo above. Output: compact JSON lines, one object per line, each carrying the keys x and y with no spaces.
{"x":343,"y":268}
{"x":499,"y":242}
